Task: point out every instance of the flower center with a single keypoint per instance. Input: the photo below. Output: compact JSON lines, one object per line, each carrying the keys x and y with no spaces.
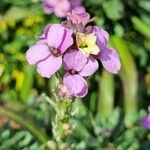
{"x":73,"y":72}
{"x":55,"y":52}
{"x":86,"y":43}
{"x":83,"y":46}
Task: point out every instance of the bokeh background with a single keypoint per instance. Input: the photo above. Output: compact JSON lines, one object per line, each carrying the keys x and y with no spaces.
{"x":108,"y":118}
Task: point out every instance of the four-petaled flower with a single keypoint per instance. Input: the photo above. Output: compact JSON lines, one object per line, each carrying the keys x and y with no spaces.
{"x":47,"y":53}
{"x":108,"y":56}
{"x":78,"y":66}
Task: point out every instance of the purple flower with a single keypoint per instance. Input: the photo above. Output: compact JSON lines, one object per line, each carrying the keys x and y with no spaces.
{"x":76,"y":5}
{"x":44,"y":35}
{"x":75,"y":45}
{"x":78,"y":17}
{"x":61,"y":7}
{"x":145,"y":122}
{"x":108,"y":56}
{"x":47,"y":52}
{"x":78,"y":66}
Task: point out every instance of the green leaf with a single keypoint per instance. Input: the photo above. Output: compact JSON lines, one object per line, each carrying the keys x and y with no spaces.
{"x":20,"y":13}
{"x":4,"y":135}
{"x":141,"y":27}
{"x":139,"y":52}
{"x":114,"y":9}
{"x":95,"y":2}
{"x":28,"y":124}
{"x":119,"y":30}
{"x":80,"y":130}
{"x":26,"y":140}
{"x":28,"y":82}
{"x":145,"y":4}
{"x":11,"y":141}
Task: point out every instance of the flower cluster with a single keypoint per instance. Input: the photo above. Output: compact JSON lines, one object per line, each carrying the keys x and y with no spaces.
{"x":61,"y":7}
{"x":145,"y":122}
{"x":78,"y":47}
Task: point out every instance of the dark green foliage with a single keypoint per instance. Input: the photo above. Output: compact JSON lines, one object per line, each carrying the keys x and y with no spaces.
{"x":108,"y":118}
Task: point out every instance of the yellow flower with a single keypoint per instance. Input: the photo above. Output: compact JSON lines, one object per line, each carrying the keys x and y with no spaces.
{"x":86,"y":43}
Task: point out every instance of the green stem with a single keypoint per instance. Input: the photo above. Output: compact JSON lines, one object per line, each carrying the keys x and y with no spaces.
{"x":106,"y":96}
{"x":37,"y":132}
{"x":61,"y":126}
{"x":128,"y":75}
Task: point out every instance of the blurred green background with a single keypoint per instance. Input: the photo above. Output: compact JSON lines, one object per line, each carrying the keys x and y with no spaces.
{"x":109,"y":116}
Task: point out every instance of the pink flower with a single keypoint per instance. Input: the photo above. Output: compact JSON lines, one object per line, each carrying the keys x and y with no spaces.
{"x":47,"y":52}
{"x":145,"y":122}
{"x":75,"y":3}
{"x":61,"y":7}
{"x":76,"y":46}
{"x":108,"y":56}
{"x":78,"y":17}
{"x":78,"y":66}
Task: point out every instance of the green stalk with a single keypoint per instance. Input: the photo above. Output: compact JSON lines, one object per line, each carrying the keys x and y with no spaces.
{"x":61,"y":119}
{"x":105,"y":96}
{"x":36,"y":131}
{"x":60,"y":126}
{"x":128,"y":76}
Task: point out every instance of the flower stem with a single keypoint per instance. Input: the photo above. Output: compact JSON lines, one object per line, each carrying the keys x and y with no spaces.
{"x":61,"y":126}
{"x":128,"y":75}
{"x":106,"y":96}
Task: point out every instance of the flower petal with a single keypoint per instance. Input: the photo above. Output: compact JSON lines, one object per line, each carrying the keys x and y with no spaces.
{"x":41,"y":41}
{"x":62,"y":8}
{"x":110,"y":60}
{"x":37,"y":53}
{"x":55,"y":35}
{"x":102,"y":37}
{"x":59,"y":37}
{"x":75,"y":84}
{"x":49,"y":5}
{"x":49,"y":66}
{"x":84,"y":91}
{"x":67,"y":40}
{"x":75,"y":60}
{"x":44,"y":35}
{"x":47,"y":8}
{"x":90,"y":68}
{"x":75,"y":3}
{"x":52,"y":3}
{"x":78,"y":16}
